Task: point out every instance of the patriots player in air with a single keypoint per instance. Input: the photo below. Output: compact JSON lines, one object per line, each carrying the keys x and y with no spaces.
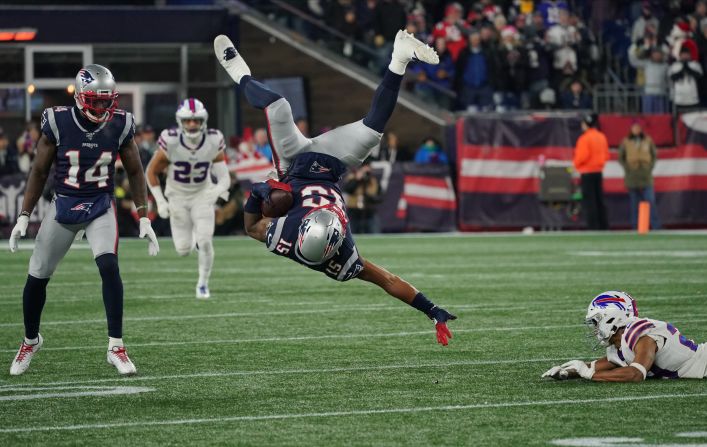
{"x":190,"y":154}
{"x":636,"y":347}
{"x":315,"y":232}
{"x":83,"y":143}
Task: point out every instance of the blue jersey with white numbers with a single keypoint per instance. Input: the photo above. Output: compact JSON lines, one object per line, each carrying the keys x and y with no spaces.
{"x":311,"y":190}
{"x":85,"y":151}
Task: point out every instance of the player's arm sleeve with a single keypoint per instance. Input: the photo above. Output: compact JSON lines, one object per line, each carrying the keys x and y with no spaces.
{"x":49,"y":127}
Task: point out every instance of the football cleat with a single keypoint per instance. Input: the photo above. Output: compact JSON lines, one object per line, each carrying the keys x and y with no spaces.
{"x":230,"y":59}
{"x":406,"y":48}
{"x":118,"y":357}
{"x":24,"y":356}
{"x":202,"y":292}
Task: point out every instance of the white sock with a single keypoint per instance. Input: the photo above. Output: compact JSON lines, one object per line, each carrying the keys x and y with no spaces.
{"x":398,"y":66}
{"x":113,"y":342}
{"x":33,"y":341}
{"x":206,"y":262}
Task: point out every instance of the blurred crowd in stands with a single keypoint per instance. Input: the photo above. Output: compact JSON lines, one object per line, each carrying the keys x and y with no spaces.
{"x":499,"y":55}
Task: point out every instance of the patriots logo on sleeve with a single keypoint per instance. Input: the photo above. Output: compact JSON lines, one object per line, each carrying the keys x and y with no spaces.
{"x":86,"y":78}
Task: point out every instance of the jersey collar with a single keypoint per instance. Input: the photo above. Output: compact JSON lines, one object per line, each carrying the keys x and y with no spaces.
{"x":181,"y":141}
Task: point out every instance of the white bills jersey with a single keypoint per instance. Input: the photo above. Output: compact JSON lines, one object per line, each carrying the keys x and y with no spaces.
{"x":677,"y":356}
{"x":189,"y":170}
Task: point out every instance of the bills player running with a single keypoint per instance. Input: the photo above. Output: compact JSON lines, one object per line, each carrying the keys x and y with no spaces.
{"x":190,"y":154}
{"x":83,"y":143}
{"x":315,"y":231}
{"x":636,"y":347}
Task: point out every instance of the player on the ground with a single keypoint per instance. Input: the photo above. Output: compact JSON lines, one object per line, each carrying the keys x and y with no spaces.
{"x":315,"y":231}
{"x":636,"y":347}
{"x":83,"y":142}
{"x":190,"y":154}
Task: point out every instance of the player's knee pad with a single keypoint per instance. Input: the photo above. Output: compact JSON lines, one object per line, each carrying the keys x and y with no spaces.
{"x":108,"y":265}
{"x":279,"y":112}
{"x":183,"y":250}
{"x":205,"y":245}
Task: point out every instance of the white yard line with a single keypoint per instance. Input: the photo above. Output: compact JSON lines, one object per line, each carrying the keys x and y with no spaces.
{"x":373,"y":411}
{"x":268,"y":372}
{"x":70,"y":392}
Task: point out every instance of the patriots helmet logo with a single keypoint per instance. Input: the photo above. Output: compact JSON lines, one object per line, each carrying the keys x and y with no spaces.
{"x":86,"y":77}
{"x":316,"y":168}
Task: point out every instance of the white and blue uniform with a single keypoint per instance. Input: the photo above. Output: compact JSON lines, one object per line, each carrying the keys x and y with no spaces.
{"x":677,"y":356}
{"x":84,"y":167}
{"x":188,"y":177}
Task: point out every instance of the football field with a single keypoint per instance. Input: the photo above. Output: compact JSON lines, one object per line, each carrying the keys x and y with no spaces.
{"x":282,"y":355}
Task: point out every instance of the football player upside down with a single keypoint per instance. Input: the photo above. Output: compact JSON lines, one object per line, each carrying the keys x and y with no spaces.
{"x":315,"y":231}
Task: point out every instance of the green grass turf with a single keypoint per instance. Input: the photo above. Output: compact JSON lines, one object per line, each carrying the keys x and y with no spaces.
{"x":284,"y":356}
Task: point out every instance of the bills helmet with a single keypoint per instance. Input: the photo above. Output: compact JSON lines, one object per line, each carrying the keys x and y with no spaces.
{"x":95,"y":93}
{"x":321,"y":233}
{"x":192,"y":109}
{"x":607,"y":313}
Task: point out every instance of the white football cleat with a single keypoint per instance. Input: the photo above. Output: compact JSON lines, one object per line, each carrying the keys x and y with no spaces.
{"x":202,"y":292}
{"x":118,"y":357}
{"x":24,"y":356}
{"x":406,"y":48}
{"x":230,"y":59}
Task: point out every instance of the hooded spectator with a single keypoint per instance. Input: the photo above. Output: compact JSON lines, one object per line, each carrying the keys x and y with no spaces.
{"x":685,"y":76}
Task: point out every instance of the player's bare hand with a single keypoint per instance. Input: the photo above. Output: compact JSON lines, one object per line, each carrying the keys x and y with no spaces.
{"x":440,"y":317}
{"x":153,"y":246}
{"x":19,"y":230}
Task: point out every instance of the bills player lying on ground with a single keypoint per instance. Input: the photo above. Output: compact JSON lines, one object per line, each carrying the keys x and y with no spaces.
{"x":83,"y":142}
{"x":636,"y":348}
{"x":190,"y":154}
{"x":315,"y":231}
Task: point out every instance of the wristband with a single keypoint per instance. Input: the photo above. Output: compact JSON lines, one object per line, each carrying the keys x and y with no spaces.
{"x":641,"y":368}
{"x":137,"y":208}
{"x":24,"y":213}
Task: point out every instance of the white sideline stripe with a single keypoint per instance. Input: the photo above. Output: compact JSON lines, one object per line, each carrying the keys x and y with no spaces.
{"x":99,"y":391}
{"x":473,"y":167}
{"x":327,"y":337}
{"x":275,"y":372}
{"x":429,"y":192}
{"x":247,"y":418}
{"x":656,"y":253}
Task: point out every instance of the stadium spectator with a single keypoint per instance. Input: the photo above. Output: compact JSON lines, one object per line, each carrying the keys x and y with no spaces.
{"x":650,"y":60}
{"x":551,"y":10}
{"x":430,"y":76}
{"x":513,"y":70}
{"x":430,"y":152}
{"x":363,"y":194}
{"x":452,"y":29}
{"x":538,"y":65}
{"x":390,"y":149}
{"x":389,"y":18}
{"x":685,"y":75}
{"x":637,"y":155}
{"x":26,"y":143}
{"x":646,"y":20}
{"x":590,"y":156}
{"x":563,"y":39}
{"x":575,"y":97}
{"x":680,"y":38}
{"x":262,"y":144}
{"x":473,"y":76}
{"x":8,"y":156}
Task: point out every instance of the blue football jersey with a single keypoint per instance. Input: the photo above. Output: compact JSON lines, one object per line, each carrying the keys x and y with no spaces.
{"x":86,"y":151}
{"x":311,"y":190}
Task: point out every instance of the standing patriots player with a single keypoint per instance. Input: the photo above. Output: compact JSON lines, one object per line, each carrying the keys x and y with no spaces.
{"x":83,"y":143}
{"x":315,"y":232}
{"x":191,"y":154}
